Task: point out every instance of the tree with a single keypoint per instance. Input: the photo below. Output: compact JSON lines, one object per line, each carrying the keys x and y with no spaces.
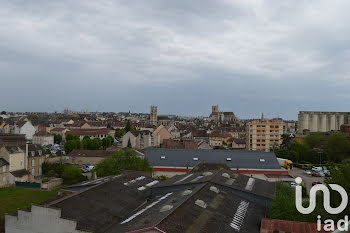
{"x":72,"y":137}
{"x":3,"y":113}
{"x":57,"y":138}
{"x":122,"y":160}
{"x":340,"y":176}
{"x":129,"y":127}
{"x":96,"y":144}
{"x":301,"y":149}
{"x":286,"y":154}
{"x":313,"y":139}
{"x":119,"y":133}
{"x":69,"y":146}
{"x":72,"y":175}
{"x":337,"y":147}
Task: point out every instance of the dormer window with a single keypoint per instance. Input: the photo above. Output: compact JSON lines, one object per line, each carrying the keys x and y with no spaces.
{"x":33,"y":153}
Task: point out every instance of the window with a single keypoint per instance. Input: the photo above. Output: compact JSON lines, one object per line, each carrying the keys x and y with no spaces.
{"x":4,"y":179}
{"x":228,"y":159}
{"x":33,"y":153}
{"x":33,"y":162}
{"x":39,"y":162}
{"x":195,"y":158}
{"x":33,"y":172}
{"x":40,"y":152}
{"x":4,"y":169}
{"x":162,"y":157}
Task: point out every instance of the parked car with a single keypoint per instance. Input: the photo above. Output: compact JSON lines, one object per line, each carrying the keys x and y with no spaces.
{"x":89,"y":167}
{"x":316,"y":174}
{"x":307,"y":172}
{"x":317,"y":169}
{"x":316,"y":182}
{"x":293,"y":184}
{"x":84,"y":170}
{"x":321,"y":173}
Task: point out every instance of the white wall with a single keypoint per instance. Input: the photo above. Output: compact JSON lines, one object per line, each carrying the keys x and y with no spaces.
{"x":39,"y":220}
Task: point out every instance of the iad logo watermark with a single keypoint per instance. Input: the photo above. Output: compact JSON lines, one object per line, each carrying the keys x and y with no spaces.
{"x":329,"y":223}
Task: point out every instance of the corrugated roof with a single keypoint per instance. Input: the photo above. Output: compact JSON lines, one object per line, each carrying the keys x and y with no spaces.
{"x":239,"y":158}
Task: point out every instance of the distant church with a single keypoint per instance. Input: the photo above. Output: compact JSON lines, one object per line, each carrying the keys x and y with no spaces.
{"x":222,"y":117}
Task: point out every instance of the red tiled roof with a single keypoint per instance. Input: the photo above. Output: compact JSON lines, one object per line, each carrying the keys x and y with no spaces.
{"x":88,"y":132}
{"x":283,"y":226}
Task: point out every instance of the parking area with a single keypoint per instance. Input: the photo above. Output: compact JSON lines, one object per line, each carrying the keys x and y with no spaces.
{"x":307,"y":179}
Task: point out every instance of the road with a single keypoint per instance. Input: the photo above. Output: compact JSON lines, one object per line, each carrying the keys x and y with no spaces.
{"x":307,"y":179}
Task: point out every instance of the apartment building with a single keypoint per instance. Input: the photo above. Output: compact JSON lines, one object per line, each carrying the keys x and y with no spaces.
{"x":264,"y":135}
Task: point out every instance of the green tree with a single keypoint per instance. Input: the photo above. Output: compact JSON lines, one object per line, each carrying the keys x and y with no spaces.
{"x":119,"y":133}
{"x":69,"y":146}
{"x":72,"y":137}
{"x":96,"y":144}
{"x":300,"y":149}
{"x":57,"y":138}
{"x":72,"y":175}
{"x":129,"y":127}
{"x":313,"y":139}
{"x":3,"y":113}
{"x":337,"y":147}
{"x":286,"y":154}
{"x":122,"y":160}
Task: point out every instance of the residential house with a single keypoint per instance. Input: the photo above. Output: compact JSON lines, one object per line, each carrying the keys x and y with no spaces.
{"x":60,"y":131}
{"x":16,"y":156}
{"x":174,"y":131}
{"x":8,"y":139}
{"x":203,"y":145}
{"x":217,"y":139}
{"x":181,"y":144}
{"x":36,"y":156}
{"x":43,"y":138}
{"x":164,"y":120}
{"x":140,"y":139}
{"x":163,"y":133}
{"x":82,"y":157}
{"x":21,"y":127}
{"x":237,"y":143}
{"x":4,"y":172}
{"x":92,"y":133}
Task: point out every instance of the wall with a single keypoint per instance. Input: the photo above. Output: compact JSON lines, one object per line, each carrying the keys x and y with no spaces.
{"x":54,"y":183}
{"x":4,"y":176}
{"x":28,"y":129}
{"x":39,"y":220}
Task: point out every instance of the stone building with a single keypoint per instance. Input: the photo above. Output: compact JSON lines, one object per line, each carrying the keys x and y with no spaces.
{"x":222,"y":117}
{"x":43,"y":138}
{"x":154,"y":115}
{"x":322,"y":121}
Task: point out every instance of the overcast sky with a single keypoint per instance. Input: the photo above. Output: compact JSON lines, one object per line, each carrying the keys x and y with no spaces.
{"x":276,"y":57}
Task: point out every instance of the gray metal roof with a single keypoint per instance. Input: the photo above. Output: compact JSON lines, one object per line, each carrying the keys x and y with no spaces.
{"x":239,"y":158}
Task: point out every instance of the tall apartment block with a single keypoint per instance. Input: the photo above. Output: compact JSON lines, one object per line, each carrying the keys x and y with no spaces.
{"x":264,"y":135}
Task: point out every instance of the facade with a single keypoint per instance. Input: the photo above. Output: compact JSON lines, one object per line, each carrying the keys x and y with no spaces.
{"x":264,"y":135}
{"x":4,"y":173}
{"x":21,"y":127}
{"x":222,"y":117}
{"x":174,"y":131}
{"x":43,"y":139}
{"x":7,"y":139}
{"x":217,"y":140}
{"x":140,"y":139}
{"x":153,"y":115}
{"x":322,"y":121}
{"x":36,"y":156}
{"x":163,"y":133}
{"x":92,"y":133}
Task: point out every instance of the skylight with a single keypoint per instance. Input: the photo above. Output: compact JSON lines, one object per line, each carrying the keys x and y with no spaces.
{"x":162,"y":157}
{"x":195,"y":158}
{"x":238,"y":219}
{"x":228,"y":159}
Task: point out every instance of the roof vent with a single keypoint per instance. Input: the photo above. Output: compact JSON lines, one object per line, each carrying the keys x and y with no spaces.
{"x":226,"y":175}
{"x":201,"y":203}
{"x":214,"y":189}
{"x":162,"y":157}
{"x":166,"y":208}
{"x":228,"y":159}
{"x":195,"y":158}
{"x":207,"y":173}
{"x":262,"y":160}
{"x":186,"y":192}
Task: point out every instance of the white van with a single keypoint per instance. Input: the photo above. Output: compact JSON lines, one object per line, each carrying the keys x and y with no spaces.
{"x":317,"y":169}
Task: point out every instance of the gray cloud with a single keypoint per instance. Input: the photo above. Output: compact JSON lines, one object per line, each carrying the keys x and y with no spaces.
{"x":248,"y":56}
